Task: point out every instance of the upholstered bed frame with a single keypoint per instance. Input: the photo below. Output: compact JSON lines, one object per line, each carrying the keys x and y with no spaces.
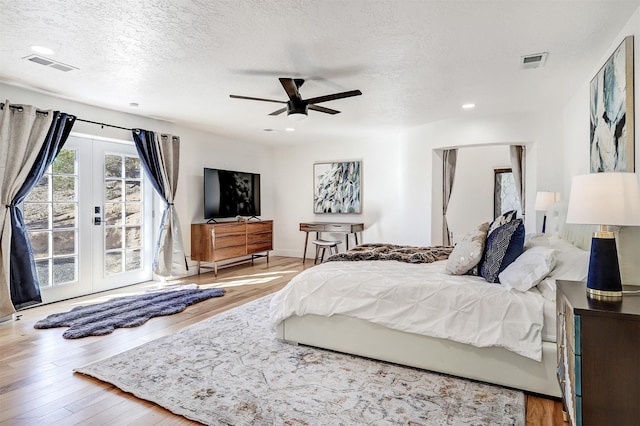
{"x":492,"y":365}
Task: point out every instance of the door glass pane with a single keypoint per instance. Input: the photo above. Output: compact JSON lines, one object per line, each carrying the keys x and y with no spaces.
{"x":133,"y":191}
{"x":113,"y":213}
{"x":133,"y":260}
{"x":64,"y":243}
{"x":133,"y":237}
{"x":42,"y":266}
{"x":64,"y":215}
{"x":113,"y":262}
{"x":132,"y":168}
{"x":36,"y":215}
{"x":123,"y":207}
{"x":64,"y":270}
{"x":112,"y":165}
{"x":65,"y":188}
{"x":113,"y":238}
{"x":113,"y":190}
{"x":53,"y":205}
{"x":40,"y":244}
{"x":132,"y":213}
{"x":40,"y":192}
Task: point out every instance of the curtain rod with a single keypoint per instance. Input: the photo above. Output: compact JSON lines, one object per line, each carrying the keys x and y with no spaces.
{"x":104,"y":124}
{"x":20,"y":108}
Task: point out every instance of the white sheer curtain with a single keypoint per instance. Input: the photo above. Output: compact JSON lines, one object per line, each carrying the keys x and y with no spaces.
{"x":517,"y":153}
{"x":22,"y":134}
{"x":449,"y":158}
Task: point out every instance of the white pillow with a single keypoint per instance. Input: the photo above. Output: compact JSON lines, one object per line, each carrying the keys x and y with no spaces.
{"x":468,"y":252}
{"x":528,"y":269}
{"x":572,"y":264}
{"x":536,"y":240}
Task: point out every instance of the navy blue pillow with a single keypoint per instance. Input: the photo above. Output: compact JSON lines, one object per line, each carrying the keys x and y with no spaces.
{"x":503,"y":246}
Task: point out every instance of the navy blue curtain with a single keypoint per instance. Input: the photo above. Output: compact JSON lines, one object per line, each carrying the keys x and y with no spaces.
{"x":160,"y":158}
{"x":145,"y":144}
{"x":24,"y":283}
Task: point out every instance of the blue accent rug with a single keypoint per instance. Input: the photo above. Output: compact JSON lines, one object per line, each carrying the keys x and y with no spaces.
{"x":129,"y":311}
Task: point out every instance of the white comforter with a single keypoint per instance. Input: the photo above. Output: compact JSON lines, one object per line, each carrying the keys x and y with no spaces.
{"x":418,"y":298}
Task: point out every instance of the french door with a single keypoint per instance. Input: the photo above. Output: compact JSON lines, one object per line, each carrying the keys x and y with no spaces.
{"x":90,"y":220}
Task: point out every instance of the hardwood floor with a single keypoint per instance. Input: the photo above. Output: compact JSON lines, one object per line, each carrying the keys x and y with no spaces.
{"x":38,"y":386}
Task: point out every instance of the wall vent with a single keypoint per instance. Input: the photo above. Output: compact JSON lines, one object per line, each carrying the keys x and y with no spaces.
{"x":533,"y":61}
{"x":49,"y":63}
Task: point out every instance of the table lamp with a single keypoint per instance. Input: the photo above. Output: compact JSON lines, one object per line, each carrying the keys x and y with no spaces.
{"x":544,"y":200}
{"x":604,"y":199}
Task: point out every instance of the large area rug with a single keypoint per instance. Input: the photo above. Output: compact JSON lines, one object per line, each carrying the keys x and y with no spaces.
{"x":129,"y":311}
{"x":231,"y":370}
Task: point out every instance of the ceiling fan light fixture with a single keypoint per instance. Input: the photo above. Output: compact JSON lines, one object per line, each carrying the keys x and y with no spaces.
{"x":296,"y":115}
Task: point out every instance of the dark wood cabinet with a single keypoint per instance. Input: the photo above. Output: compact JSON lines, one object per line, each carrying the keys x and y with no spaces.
{"x":216,"y":242}
{"x":598,"y":356}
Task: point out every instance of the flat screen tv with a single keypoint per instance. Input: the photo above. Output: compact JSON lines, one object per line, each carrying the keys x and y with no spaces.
{"x":230,"y":193}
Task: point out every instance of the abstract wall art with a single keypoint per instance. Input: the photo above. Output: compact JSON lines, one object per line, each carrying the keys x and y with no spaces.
{"x":612,"y":115}
{"x":337,"y":187}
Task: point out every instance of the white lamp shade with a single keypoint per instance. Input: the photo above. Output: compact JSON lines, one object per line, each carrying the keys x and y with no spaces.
{"x":605,"y":199}
{"x":544,"y":200}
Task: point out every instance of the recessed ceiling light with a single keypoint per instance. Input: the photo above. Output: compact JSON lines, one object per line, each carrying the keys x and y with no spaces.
{"x":290,"y":129}
{"x":468,"y":106}
{"x":42,"y":50}
{"x":270,"y":130}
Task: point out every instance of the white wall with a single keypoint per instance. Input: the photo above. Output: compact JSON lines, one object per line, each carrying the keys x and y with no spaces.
{"x":541,"y":133}
{"x":576,"y":143}
{"x":383,"y":191}
{"x":198,"y":149}
{"x":471,"y":200}
{"x":400,"y":177}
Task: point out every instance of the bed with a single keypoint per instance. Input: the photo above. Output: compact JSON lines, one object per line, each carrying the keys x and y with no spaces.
{"x":474,"y":329}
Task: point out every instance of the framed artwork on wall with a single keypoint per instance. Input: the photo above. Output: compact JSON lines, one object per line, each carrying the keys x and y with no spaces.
{"x":612,"y":115}
{"x":337,"y":187}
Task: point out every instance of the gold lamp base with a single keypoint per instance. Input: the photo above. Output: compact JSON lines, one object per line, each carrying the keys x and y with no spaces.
{"x":604,"y":295}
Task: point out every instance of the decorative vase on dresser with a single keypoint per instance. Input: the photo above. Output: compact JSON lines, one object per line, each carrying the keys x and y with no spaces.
{"x":598,"y":356}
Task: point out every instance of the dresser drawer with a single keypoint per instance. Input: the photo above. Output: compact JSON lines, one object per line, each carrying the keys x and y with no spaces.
{"x":232,"y":240}
{"x":260,"y":246}
{"x":253,"y":227}
{"x":229,"y":253}
{"x":229,"y":228}
{"x":259,"y":237}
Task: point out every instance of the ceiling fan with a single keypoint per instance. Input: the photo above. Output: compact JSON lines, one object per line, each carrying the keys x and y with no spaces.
{"x":297,"y":108}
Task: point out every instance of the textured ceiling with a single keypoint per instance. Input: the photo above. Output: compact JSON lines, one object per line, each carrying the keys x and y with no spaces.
{"x":415,"y":61}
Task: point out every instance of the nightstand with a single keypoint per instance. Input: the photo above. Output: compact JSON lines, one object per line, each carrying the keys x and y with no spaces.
{"x":598,"y":356}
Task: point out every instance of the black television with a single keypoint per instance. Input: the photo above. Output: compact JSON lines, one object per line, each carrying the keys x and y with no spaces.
{"x":229,"y":193}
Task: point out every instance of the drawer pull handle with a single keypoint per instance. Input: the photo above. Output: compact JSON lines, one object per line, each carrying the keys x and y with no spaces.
{"x":560,"y":314}
{"x":561,"y":346}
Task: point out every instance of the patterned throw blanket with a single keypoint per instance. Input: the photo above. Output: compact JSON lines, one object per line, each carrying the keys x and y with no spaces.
{"x":409,"y":254}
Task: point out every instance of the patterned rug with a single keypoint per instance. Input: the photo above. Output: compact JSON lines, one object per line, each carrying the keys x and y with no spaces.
{"x":121,"y":312}
{"x":231,"y":370}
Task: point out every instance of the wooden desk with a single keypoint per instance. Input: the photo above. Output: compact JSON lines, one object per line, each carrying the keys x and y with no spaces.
{"x":318,"y":227}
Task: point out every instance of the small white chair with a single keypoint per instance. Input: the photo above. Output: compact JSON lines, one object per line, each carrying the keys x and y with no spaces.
{"x":324,"y":245}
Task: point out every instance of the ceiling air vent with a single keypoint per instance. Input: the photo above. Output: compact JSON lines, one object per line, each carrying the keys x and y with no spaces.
{"x":49,"y":63}
{"x":533,"y":61}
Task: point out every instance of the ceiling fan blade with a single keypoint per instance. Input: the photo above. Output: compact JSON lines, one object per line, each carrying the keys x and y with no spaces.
{"x":291,"y":87}
{"x":326,"y":98}
{"x":278,"y":112}
{"x":256,"y":99}
{"x":323,"y":109}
